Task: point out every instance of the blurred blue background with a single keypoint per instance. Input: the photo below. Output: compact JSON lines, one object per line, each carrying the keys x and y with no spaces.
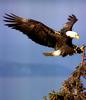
{"x":25,"y":74}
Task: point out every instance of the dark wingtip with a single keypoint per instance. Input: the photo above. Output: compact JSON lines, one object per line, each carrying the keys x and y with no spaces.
{"x":72,"y":17}
{"x":9,"y":17}
{"x":6,"y":20}
{"x":10,"y":25}
{"x":13,"y":15}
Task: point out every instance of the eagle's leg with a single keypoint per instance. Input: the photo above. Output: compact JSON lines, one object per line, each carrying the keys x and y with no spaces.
{"x":53,"y":53}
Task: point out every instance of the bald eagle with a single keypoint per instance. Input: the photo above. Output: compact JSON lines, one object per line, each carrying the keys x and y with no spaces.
{"x":38,"y":32}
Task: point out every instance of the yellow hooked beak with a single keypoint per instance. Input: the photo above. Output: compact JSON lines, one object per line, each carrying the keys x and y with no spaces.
{"x":77,"y":37}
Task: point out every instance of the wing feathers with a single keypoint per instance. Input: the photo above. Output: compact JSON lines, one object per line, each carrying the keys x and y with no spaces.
{"x":71,"y":21}
{"x":12,"y":20}
{"x":35,"y":30}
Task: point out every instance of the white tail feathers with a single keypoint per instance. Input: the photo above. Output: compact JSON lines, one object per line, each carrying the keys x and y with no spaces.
{"x":53,"y":53}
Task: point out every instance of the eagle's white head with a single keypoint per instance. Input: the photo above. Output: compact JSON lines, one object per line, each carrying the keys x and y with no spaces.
{"x":73,"y":34}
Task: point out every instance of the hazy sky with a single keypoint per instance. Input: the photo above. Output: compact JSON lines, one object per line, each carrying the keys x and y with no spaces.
{"x":17,"y":48}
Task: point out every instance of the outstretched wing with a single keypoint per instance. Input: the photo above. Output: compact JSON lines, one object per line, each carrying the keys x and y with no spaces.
{"x":35,"y":30}
{"x":69,"y":25}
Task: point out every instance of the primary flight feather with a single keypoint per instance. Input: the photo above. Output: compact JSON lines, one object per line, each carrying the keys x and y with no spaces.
{"x":38,"y":32}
